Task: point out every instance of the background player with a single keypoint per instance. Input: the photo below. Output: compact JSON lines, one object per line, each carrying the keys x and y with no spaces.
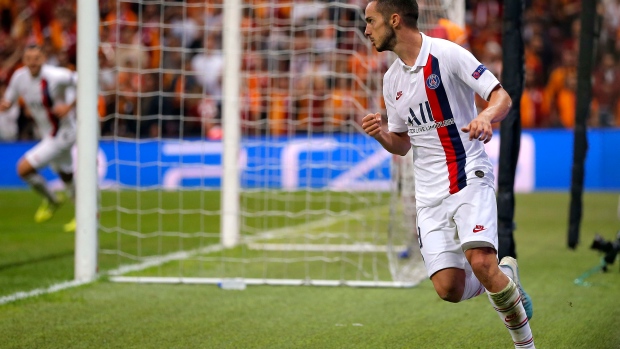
{"x":47,"y":92}
{"x":429,"y":96}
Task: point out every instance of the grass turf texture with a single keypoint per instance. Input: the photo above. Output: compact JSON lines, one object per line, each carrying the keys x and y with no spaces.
{"x":107,"y":315}
{"x":190,"y":222}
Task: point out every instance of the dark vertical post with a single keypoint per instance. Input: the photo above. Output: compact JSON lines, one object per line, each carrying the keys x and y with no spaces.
{"x":510,"y":129}
{"x":584,"y":97}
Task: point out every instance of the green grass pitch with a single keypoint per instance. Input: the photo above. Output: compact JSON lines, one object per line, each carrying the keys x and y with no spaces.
{"x":111,"y":315}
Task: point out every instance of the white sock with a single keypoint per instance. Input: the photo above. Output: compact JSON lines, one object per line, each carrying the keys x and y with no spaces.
{"x":508,"y":271}
{"x":39,"y":184}
{"x":473,"y":287}
{"x":507,"y":303}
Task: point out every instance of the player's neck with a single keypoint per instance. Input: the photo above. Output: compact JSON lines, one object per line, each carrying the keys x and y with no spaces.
{"x":408,"y":46}
{"x":36,"y":73}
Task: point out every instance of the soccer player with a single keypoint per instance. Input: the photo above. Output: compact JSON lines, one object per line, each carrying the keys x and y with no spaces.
{"x":429,"y":96}
{"x":44,"y":90}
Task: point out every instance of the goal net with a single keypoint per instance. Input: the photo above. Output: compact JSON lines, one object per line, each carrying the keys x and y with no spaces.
{"x":274,"y":185}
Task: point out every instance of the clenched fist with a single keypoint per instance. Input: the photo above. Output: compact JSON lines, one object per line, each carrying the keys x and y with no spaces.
{"x":4,"y":105}
{"x":371,"y":124}
{"x":479,"y":128}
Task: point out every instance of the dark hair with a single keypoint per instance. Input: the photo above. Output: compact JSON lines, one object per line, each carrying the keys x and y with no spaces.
{"x":406,"y":9}
{"x":34,"y":47}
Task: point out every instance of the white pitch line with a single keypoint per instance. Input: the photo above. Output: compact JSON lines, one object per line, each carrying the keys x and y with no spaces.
{"x":360,"y":247}
{"x":165,"y":259}
{"x":40,"y":291}
{"x":157,"y":261}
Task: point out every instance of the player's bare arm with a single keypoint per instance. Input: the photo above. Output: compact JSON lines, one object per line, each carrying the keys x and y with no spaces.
{"x":499,"y":104}
{"x":61,"y":110}
{"x":395,"y":143}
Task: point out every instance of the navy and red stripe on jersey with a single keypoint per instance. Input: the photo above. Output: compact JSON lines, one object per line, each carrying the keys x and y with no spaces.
{"x":48,"y":104}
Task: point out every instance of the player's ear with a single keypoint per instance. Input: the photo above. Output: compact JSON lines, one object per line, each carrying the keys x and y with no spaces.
{"x":395,"y":20}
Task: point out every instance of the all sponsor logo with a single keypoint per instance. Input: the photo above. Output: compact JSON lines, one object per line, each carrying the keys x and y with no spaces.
{"x":423,"y":120}
{"x":399,"y":94}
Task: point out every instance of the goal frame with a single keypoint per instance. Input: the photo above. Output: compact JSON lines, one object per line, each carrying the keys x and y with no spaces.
{"x":86,"y":246}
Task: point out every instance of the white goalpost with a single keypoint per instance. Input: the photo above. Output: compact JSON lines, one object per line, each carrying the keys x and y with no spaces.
{"x":231,"y":125}
{"x":86,"y":174}
{"x":231,"y":147}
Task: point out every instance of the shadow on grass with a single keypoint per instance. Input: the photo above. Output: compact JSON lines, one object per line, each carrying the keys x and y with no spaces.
{"x":4,"y":267}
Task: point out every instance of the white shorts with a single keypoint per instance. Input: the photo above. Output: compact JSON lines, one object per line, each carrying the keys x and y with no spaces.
{"x":54,"y":151}
{"x":467,"y":219}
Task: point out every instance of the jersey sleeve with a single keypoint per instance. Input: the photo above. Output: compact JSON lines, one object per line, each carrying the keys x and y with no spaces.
{"x":473,"y":73}
{"x":68,"y":78}
{"x":395,"y":124}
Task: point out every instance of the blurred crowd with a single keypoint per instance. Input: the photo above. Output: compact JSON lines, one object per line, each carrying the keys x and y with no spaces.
{"x":306,"y":66}
{"x":551,"y":36}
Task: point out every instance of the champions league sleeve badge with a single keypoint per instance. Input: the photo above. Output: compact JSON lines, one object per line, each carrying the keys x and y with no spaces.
{"x":478,"y":72}
{"x":433,"y":81}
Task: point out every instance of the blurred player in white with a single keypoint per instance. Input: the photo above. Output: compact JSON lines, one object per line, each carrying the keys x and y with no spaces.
{"x":44,"y":90}
{"x":429,"y":96}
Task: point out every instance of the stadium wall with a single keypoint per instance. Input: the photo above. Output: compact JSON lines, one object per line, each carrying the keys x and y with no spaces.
{"x":544,"y":163}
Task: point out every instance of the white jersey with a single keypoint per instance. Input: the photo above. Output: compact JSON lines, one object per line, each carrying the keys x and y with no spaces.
{"x":432,"y":101}
{"x":52,"y":85}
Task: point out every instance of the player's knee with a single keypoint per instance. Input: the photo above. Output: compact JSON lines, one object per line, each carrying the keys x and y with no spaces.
{"x":24,"y":168}
{"x":481,"y":266}
{"x":451,"y":293}
{"x":481,"y":260}
{"x":449,"y":284}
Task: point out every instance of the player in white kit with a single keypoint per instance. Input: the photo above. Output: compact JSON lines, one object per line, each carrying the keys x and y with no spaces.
{"x":429,"y":95}
{"x":44,"y":90}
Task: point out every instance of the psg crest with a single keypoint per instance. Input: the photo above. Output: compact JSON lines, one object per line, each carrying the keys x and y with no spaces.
{"x":433,"y":81}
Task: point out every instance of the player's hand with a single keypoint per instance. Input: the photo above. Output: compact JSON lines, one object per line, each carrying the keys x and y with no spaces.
{"x":61,"y":110}
{"x":4,"y":105}
{"x":371,"y":124}
{"x":479,"y":128}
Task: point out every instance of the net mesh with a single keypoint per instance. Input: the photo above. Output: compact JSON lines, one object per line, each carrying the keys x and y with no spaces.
{"x":317,"y":199}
